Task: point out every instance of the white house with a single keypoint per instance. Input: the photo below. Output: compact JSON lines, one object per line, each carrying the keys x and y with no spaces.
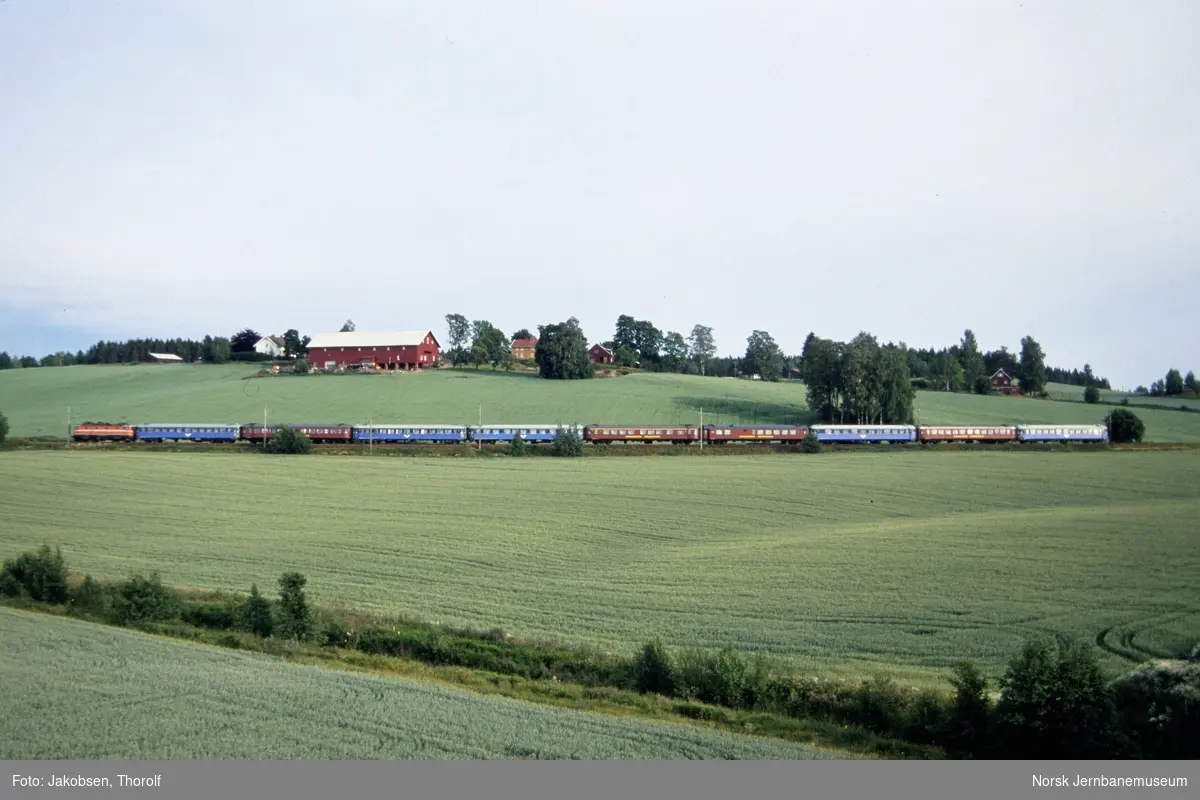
{"x":270,"y":345}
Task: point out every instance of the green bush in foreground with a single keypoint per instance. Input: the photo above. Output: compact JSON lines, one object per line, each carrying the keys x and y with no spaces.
{"x":1125,"y":426}
{"x":566,"y":444}
{"x":811,"y":443}
{"x":517,"y":448}
{"x":289,"y":441}
{"x":295,"y":619}
{"x":41,"y":575}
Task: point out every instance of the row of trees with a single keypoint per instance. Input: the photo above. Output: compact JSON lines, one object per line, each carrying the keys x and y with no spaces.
{"x":1173,"y":385}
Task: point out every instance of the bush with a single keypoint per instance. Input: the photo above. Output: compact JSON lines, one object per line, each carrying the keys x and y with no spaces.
{"x":566,"y":444}
{"x":727,"y":678}
{"x":653,"y":671}
{"x":289,"y":441}
{"x":879,"y":705}
{"x":1125,"y":426}
{"x":88,"y":596}
{"x":209,"y":615}
{"x":295,"y":619}
{"x":517,"y":448}
{"x":41,"y":575}
{"x":1159,"y":707}
{"x":254,"y":615}
{"x":3,"y":427}
{"x":1091,"y":395}
{"x":301,"y":366}
{"x":143,"y":600}
{"x":811,"y":443}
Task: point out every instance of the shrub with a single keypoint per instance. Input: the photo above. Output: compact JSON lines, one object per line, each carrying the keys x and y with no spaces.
{"x":1159,"y":707}
{"x":517,"y":448}
{"x":879,"y":705}
{"x":811,"y":443}
{"x":289,"y":441}
{"x":9,"y":585}
{"x":653,"y":671}
{"x":967,"y":720}
{"x":1125,"y":426}
{"x":566,"y":444}
{"x":925,"y":719}
{"x":142,"y":599}
{"x":1091,"y":395}
{"x":3,"y":427}
{"x":301,"y":366}
{"x":88,"y":596}
{"x":295,"y":619}
{"x":727,"y":678}
{"x":254,"y":615}
{"x":209,"y":615}
{"x":41,"y":575}
{"x":983,"y":385}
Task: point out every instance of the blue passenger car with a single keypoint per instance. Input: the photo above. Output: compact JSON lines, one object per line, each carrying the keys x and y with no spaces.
{"x":186,"y":433}
{"x":414,"y":434}
{"x":866,"y":433}
{"x":530,"y":433}
{"x":1062,"y":433}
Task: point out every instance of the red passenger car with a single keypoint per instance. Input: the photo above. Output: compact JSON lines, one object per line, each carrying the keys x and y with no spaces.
{"x":317,"y":433}
{"x":784,"y":434}
{"x":967,"y":433}
{"x":649,"y":434}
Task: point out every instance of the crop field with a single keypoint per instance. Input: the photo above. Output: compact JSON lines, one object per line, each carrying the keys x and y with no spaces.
{"x":1062,"y":391}
{"x":36,"y":400}
{"x":74,"y":690}
{"x":851,"y":563}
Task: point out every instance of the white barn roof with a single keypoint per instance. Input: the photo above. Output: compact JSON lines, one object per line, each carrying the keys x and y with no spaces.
{"x":164,"y":357}
{"x":367,"y":339}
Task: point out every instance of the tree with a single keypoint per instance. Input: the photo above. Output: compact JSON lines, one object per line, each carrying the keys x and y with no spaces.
{"x":1125,"y":426}
{"x":254,"y":615}
{"x":293,"y":345}
{"x":42,"y":575}
{"x":626,"y":334}
{"x":523,"y":333}
{"x":6,"y":361}
{"x":1032,"y":370}
{"x":561,"y":351}
{"x":1091,"y":395}
{"x":1189,"y":381}
{"x":653,"y":672}
{"x":763,"y":356}
{"x":459,"y":334}
{"x":517,"y":448}
{"x":675,"y":351}
{"x":295,"y":620}
{"x":1055,"y":704}
{"x":701,"y":344}
{"x":478,"y":354}
{"x":490,"y":342}
{"x":971,"y":360}
{"x":347,"y":326}
{"x":3,"y":427}
{"x":244,"y":340}
{"x":1173,"y":384}
{"x":967,"y":726}
{"x":648,"y":342}
{"x":811,"y":443}
{"x":216,"y":350}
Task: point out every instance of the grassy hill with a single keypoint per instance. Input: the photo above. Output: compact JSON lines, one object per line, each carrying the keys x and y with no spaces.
{"x":36,"y":400}
{"x":74,"y":690}
{"x":846,"y":562}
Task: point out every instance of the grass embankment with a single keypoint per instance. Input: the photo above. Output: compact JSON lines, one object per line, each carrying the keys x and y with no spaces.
{"x":843,"y":566}
{"x":36,"y":400}
{"x":75,"y":690}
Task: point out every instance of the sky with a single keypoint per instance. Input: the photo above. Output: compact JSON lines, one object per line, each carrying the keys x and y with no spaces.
{"x":910,"y":169}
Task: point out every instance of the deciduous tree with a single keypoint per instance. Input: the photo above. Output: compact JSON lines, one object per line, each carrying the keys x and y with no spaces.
{"x":244,"y":340}
{"x":702,"y":347}
{"x":459,"y":333}
{"x":1173,"y":384}
{"x":763,"y":356}
{"x":1032,"y":367}
{"x":561,"y":351}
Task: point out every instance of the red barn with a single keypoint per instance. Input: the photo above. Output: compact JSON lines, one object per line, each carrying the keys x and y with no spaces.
{"x":407,"y":350}
{"x":1002,"y":382}
{"x":599,"y":354}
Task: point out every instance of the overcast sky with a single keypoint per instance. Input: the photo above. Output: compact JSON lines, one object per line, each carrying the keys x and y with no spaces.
{"x":906,"y":168}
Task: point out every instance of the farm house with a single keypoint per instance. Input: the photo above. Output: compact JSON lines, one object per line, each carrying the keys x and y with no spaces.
{"x":400,"y":350}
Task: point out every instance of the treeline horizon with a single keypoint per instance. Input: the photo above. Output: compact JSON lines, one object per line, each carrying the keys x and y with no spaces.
{"x":636,"y":344}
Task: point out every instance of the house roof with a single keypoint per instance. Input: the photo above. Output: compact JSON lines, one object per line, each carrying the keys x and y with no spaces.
{"x":164,"y":357}
{"x":1001,"y":372}
{"x":524,"y":343}
{"x":276,"y":339}
{"x":602,"y":347}
{"x":368,"y":339}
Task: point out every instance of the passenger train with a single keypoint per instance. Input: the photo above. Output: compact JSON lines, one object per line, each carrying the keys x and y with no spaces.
{"x":594,"y":434}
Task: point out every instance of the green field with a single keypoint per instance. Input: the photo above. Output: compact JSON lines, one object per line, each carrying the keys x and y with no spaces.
{"x":846,"y":562}
{"x":1062,"y":391}
{"x":75,"y":690}
{"x":36,"y":400}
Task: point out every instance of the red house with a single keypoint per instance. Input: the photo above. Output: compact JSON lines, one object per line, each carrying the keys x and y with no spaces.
{"x":523,"y":349}
{"x":1002,"y":382}
{"x":599,"y":354}
{"x":401,"y":350}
